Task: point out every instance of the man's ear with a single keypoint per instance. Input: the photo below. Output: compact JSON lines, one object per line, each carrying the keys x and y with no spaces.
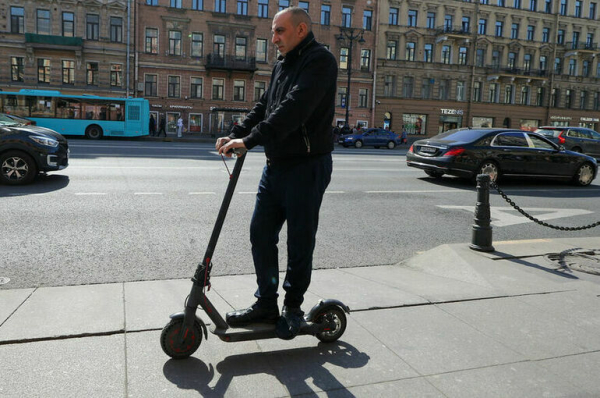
{"x":302,"y":29}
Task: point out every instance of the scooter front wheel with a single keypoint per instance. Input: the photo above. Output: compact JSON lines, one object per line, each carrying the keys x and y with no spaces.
{"x":336,"y":318}
{"x":177,"y":346}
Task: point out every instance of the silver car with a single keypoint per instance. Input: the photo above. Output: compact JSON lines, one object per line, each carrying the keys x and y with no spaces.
{"x":576,"y":139}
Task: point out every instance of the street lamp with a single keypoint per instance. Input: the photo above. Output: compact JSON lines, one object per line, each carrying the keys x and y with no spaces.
{"x":348,"y":36}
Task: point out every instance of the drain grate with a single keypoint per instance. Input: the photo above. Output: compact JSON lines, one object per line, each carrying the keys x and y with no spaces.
{"x":584,"y":260}
{"x":4,"y":280}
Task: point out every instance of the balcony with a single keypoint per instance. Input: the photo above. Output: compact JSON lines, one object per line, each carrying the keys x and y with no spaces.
{"x":53,"y":42}
{"x":496,"y":71}
{"x":449,"y":32}
{"x":230,"y":63}
{"x":581,"y":48}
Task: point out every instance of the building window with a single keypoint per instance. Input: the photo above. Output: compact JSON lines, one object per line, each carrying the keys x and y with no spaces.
{"x":197,"y":44}
{"x":174,"y":86}
{"x":304,"y":5}
{"x":589,"y":41}
{"x":428,"y":52}
{"x":342,"y":96}
{"x":43,"y":22}
{"x":365,"y":59}
{"x":554,"y":96}
{"x":539,"y":101}
{"x":476,"y":91}
{"x":116,"y":29}
{"x":592,"y":14}
{"x":444,"y":89}
{"x":527,"y":62}
{"x":583,"y":96}
{"x":479,"y":57}
{"x":493,"y":93}
{"x":585,"y":70}
{"x":198,"y":5}
{"x":391,"y":49}
{"x":176,"y":3}
{"x":466,"y":25}
{"x":408,"y":87}
{"x":196,"y":87}
{"x":410,"y":52}
{"x":525,"y":95}
{"x":363,"y":95}
{"x":239,"y":90}
{"x":508,"y":94}
{"x":325,"y":14}
{"x":393,"y":20}
{"x":532,"y":5}
{"x":543,"y":63}
{"x":460,"y":91}
{"x":563,"y":7}
{"x":573,"y":67}
{"x":426,"y":88}
{"x":495,"y":59}
{"x":448,"y":23}
{"x":259,"y":90}
{"x":512,"y":59}
{"x":431,"y":20}
{"x":151,"y":86}
{"x":412,"y":17}
{"x":597,"y":101}
{"x":68,"y":24}
{"x":152,"y":2}
{"x":446,"y":54}
{"x":263,"y":8}
{"x":367,"y":19}
{"x":482,"y":30}
{"x":346,"y":17}
{"x":568,"y":98}
{"x":514,"y":31}
{"x":217,"y":89}
{"x":283,"y":4}
{"x":545,"y":35}
{"x":548,"y":6}
{"x":219,"y":46}
{"x":558,"y":66}
{"x":240,"y":48}
{"x":261,"y":50}
{"x":499,"y":28}
{"x":242,"y":7}
{"x":388,"y":86}
{"x":43,"y":70}
{"x":92,"y":26}
{"x":174,"y":42}
{"x":344,"y":58}
{"x":530,"y":32}
{"x":578,"y":7}
{"x":517,"y":4}
{"x":116,"y":75}
{"x":151,"y":41}
{"x":462,"y":55}
{"x":17,"y":20}
{"x":560,"y":37}
{"x":220,"y":6}
{"x":17,"y":69}
{"x":575,"y":40}
{"x":91,"y":76}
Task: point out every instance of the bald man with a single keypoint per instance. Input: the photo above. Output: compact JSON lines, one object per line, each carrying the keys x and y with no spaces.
{"x":292,"y":120}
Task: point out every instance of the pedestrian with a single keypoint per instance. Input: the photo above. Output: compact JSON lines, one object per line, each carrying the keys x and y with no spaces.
{"x":152,"y":126}
{"x":403,"y":137}
{"x":293,"y":123}
{"x":179,"y":127}
{"x":162,"y":126}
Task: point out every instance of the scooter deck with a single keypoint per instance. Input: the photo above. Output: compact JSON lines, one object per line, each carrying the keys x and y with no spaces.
{"x":259,"y":331}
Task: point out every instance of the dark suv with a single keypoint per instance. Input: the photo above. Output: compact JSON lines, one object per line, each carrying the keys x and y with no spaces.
{"x":576,"y":139}
{"x":26,"y":151}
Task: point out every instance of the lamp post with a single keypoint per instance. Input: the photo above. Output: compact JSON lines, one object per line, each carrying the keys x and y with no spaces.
{"x":348,"y":36}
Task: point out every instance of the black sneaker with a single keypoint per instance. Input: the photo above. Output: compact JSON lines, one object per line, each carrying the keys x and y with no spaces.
{"x":288,"y":325}
{"x":253,"y":314}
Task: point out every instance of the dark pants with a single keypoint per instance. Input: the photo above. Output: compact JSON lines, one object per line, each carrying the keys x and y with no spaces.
{"x":290,"y":192}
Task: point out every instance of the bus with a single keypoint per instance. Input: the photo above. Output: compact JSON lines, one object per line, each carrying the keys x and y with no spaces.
{"x":89,"y":115}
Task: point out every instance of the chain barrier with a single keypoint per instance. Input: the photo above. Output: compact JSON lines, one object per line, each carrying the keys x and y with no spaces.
{"x":545,"y":224}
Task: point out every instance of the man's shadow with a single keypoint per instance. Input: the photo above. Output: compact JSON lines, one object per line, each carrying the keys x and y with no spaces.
{"x":293,"y":368}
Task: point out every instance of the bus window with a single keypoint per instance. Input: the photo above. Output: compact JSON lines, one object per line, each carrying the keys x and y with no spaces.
{"x":68,"y":109}
{"x":41,"y":106}
{"x":116,"y":112}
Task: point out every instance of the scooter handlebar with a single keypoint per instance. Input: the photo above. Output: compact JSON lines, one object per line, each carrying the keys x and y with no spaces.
{"x":237,"y":151}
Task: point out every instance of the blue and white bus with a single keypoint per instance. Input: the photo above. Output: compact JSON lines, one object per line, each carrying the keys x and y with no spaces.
{"x":89,"y":115}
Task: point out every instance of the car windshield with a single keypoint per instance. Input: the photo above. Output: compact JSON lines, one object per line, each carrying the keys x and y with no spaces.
{"x":459,"y":135}
{"x":8,"y":123}
{"x":549,"y":132}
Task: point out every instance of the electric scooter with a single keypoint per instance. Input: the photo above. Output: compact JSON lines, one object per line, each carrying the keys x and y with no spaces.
{"x":182,"y":336}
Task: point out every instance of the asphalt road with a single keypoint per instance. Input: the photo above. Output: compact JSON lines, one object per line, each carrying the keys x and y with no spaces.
{"x":139,"y":210}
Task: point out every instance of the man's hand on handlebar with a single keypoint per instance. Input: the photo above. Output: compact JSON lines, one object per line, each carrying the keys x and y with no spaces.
{"x":226,"y":146}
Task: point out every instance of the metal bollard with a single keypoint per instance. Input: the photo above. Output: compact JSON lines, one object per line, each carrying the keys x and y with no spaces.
{"x":481,"y":239}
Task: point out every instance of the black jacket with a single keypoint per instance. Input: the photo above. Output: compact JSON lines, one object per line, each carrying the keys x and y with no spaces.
{"x":293,"y":117}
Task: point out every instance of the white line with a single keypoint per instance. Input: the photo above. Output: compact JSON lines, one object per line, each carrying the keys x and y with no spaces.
{"x":89,"y":193}
{"x":247,"y":193}
{"x":423,"y":191}
{"x":335,"y":191}
{"x":147,"y":193}
{"x":202,"y":193}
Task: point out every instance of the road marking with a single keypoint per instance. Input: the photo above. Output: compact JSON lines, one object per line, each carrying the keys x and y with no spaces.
{"x":335,"y":191}
{"x":419,"y":191}
{"x":202,"y":193}
{"x":506,"y":216}
{"x":89,"y":193}
{"x":147,"y":193}
{"x":247,"y":193}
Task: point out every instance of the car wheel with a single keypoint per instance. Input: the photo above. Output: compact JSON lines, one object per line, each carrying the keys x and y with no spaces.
{"x":576,"y":149}
{"x":93,"y":132}
{"x":490,"y":168}
{"x":584,"y":175}
{"x":434,"y":174}
{"x":17,"y":168}
{"x":391,"y":145}
{"x":358,"y":144}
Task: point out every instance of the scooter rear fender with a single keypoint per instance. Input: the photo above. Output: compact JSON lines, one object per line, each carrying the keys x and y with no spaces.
{"x":323,"y":305}
{"x":181,"y":315}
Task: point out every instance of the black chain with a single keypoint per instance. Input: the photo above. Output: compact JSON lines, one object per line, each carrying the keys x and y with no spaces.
{"x":545,"y":224}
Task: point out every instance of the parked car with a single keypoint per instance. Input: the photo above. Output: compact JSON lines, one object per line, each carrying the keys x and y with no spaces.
{"x":6,"y":117}
{"x":27,"y":150}
{"x":576,"y":139}
{"x":499,"y":153}
{"x":371,"y":137}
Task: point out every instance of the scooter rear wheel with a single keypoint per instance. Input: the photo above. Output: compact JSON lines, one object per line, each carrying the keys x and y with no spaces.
{"x":171,"y":343}
{"x":335,"y":316}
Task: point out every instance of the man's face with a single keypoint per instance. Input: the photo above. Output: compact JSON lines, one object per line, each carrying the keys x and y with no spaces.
{"x":286,"y":36}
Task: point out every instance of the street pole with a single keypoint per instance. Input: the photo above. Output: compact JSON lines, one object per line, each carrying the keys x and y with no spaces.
{"x":348,"y":90}
{"x":347,"y":35}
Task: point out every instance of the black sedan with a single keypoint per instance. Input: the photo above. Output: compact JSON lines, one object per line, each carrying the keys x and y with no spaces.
{"x":26,"y":151}
{"x":499,"y":153}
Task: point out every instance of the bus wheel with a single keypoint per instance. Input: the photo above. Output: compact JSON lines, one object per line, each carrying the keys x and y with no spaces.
{"x":94,"y":132}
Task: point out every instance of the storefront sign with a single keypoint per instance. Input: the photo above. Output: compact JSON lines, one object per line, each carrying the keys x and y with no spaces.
{"x":560,"y":118}
{"x":589,"y":119}
{"x":156,"y":106}
{"x":445,"y":111}
{"x":180,"y":107}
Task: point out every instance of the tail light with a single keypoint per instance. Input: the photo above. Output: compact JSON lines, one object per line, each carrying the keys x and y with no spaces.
{"x":561,"y":139}
{"x":410,"y":150}
{"x":454,"y":151}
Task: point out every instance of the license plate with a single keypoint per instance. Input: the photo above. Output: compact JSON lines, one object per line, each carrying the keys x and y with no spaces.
{"x":428,"y":149}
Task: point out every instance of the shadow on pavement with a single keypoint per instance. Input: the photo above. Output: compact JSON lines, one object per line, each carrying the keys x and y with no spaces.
{"x":291,"y":367}
{"x":43,"y":183}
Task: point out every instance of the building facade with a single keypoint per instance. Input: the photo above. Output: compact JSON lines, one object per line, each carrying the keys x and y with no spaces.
{"x":513,"y":63}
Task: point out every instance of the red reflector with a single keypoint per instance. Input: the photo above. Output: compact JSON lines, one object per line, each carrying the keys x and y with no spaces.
{"x":561,"y":139}
{"x":410,"y":150}
{"x":454,"y":151}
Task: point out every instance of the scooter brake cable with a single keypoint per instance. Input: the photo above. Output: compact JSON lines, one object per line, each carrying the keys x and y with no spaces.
{"x":225,"y":163}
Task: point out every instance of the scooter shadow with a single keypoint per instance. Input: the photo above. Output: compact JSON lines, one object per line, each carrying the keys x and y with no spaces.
{"x":292,"y":368}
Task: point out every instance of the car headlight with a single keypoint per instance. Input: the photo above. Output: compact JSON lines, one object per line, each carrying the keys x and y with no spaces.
{"x":45,"y":141}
